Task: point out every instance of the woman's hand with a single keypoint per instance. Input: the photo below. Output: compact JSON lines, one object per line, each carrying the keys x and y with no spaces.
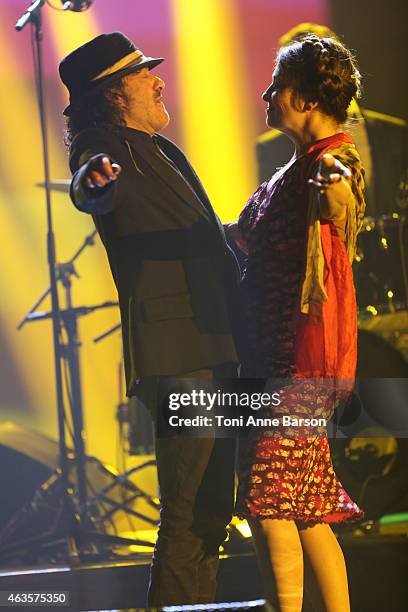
{"x":329,"y":172}
{"x":332,"y":181}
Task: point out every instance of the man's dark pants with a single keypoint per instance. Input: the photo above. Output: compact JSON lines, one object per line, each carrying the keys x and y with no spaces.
{"x":196,"y":480}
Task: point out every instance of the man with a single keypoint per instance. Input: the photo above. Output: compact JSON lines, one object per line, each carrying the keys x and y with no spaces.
{"x":381,"y":140}
{"x":176,"y":279}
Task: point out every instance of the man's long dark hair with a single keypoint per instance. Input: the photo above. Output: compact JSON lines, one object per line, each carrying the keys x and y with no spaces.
{"x":102,"y":108}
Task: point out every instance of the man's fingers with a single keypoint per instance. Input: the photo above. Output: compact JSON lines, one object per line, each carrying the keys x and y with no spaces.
{"x":96,"y":179}
{"x":101,"y":172}
{"x":107,"y":168}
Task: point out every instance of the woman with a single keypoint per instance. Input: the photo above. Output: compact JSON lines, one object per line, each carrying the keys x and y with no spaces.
{"x":299,"y":231}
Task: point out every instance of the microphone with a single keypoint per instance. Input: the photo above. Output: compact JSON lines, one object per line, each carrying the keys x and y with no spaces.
{"x":76,"y":5}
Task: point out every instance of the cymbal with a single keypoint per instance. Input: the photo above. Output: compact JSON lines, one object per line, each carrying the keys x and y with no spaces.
{"x":57,"y":185}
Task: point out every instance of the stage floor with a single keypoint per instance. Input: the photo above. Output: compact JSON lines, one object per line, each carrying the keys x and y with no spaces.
{"x":377,"y":570}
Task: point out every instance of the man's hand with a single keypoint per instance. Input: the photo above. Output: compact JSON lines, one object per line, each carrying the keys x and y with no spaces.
{"x":101,"y":170}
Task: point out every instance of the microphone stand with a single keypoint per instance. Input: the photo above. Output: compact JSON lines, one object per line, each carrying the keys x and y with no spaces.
{"x":33,"y":15}
{"x":61,"y":270}
{"x":77,"y":526}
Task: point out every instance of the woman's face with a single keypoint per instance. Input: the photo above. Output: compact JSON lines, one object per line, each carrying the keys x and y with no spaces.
{"x":284,"y":105}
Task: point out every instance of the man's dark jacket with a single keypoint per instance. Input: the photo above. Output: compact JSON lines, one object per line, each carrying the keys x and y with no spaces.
{"x":175,"y":274}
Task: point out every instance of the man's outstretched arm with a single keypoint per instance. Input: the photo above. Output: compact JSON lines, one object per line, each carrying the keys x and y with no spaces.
{"x":92,"y":187}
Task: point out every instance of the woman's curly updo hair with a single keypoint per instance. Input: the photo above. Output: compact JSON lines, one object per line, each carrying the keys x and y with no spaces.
{"x":321,"y":70}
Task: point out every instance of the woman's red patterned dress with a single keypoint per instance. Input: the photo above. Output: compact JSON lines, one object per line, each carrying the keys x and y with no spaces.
{"x":290,"y":475}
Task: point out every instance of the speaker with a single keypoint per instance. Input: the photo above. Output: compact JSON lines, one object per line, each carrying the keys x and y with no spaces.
{"x":27,"y":460}
{"x":32,"y":487}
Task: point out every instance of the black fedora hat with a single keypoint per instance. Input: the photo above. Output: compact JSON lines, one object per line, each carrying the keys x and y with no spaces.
{"x":100,"y":61}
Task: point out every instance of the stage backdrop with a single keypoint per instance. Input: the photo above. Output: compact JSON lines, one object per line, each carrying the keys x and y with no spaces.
{"x":219,"y":58}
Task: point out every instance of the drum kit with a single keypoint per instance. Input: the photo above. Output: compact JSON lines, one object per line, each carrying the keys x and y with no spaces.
{"x":381,"y":279}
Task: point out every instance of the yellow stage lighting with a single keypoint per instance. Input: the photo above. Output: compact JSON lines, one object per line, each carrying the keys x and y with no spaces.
{"x":242,"y":527}
{"x":218,"y":134}
{"x":23,"y":267}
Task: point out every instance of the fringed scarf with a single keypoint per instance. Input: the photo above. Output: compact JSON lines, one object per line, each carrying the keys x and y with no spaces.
{"x":342,"y":147}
